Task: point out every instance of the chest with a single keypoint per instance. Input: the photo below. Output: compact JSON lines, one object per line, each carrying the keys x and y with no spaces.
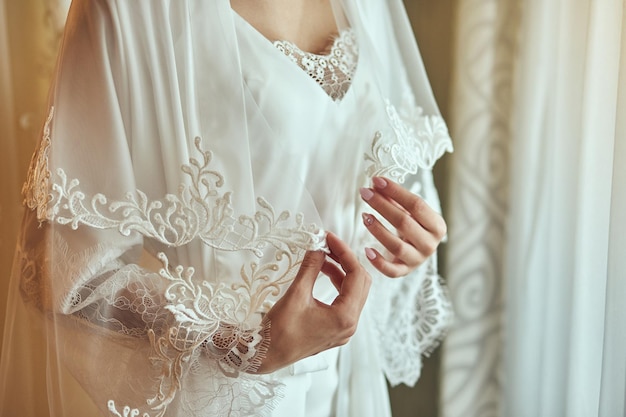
{"x":319,"y":109}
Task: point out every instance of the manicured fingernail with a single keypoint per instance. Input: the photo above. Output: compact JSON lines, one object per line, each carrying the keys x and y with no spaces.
{"x":379,"y":182}
{"x":371,"y":255}
{"x":368,"y":219}
{"x":366,"y":193}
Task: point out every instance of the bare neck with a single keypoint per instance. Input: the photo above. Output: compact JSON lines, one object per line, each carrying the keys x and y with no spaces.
{"x":310,"y":24}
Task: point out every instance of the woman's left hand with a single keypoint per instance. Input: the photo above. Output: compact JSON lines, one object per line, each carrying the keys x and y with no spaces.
{"x":419,"y":228}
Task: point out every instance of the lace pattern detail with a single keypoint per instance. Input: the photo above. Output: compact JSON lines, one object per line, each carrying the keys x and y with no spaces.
{"x":415,"y":141}
{"x":32,"y":288}
{"x":125,"y":412}
{"x":180,"y":314}
{"x":418,"y":331}
{"x":411,"y":321}
{"x":333,"y":72}
{"x":434,"y":313}
{"x":198,"y":211}
{"x":210,"y":319}
{"x":239,"y":349}
{"x":35,"y":189}
{"x":216,"y":317}
{"x":246,"y":396}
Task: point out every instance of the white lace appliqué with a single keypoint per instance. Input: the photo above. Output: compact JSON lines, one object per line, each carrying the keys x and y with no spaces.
{"x":215,"y":320}
{"x":182,"y":315}
{"x":126,"y":411}
{"x":411,"y":320}
{"x":334,"y":71}
{"x":416,"y":141}
{"x":35,"y":189}
{"x":198,"y":211}
{"x":415,"y":331}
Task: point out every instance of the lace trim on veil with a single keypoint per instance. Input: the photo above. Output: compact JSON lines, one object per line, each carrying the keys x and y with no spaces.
{"x":197,"y":316}
{"x":167,"y":220}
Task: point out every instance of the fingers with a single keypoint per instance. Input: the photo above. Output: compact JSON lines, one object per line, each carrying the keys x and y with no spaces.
{"x":412,"y":250}
{"x":356,"y":283}
{"x":419,"y":228}
{"x":309,"y":270}
{"x":385,"y":192}
{"x":302,"y":326}
{"x":335,"y":274}
{"x":341,"y":252}
{"x":415,"y":245}
{"x":315,"y":262}
{"x":394,"y":268}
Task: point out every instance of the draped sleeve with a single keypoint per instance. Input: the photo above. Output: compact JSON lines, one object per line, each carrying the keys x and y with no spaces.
{"x":144,"y":243}
{"x":412,"y":314}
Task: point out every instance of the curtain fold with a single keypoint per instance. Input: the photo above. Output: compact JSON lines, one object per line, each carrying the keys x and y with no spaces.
{"x":561,"y":281}
{"x":613,"y":384}
{"x":478,"y":204}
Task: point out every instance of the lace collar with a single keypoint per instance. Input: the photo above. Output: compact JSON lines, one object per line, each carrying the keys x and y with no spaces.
{"x":333,"y":71}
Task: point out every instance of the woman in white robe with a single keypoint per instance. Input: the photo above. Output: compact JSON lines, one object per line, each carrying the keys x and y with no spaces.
{"x":187,"y":167}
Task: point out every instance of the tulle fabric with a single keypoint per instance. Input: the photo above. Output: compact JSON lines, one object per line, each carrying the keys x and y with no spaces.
{"x":185,"y":168}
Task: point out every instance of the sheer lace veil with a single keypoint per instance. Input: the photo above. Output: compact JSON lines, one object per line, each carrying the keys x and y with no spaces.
{"x":167,"y":206}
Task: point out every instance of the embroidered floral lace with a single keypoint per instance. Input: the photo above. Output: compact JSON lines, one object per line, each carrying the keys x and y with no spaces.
{"x":179,"y":313}
{"x":333,"y":71}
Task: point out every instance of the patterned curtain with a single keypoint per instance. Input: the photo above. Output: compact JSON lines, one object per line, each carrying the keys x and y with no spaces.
{"x":537,"y":210}
{"x":478,"y":205}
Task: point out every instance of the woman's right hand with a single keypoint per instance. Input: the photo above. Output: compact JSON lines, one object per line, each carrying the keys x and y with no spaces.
{"x":302,"y":326}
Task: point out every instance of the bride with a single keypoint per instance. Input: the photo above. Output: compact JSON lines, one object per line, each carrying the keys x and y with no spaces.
{"x":220,"y":199}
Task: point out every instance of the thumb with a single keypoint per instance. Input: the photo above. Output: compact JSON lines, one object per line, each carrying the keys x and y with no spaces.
{"x":309,"y":270}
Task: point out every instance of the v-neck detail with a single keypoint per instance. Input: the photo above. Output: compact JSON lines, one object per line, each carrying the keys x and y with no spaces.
{"x":333,"y":72}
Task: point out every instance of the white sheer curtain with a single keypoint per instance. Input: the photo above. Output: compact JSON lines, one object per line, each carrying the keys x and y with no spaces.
{"x":537,"y":264}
